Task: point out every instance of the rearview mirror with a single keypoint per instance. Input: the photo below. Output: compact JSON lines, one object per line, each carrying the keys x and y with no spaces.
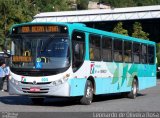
{"x":6,"y":46}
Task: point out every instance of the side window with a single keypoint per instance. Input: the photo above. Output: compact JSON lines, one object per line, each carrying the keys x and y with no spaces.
{"x":118,"y":50}
{"x":151,"y":54}
{"x":95,"y":50}
{"x":144,"y":54}
{"x":78,"y":49}
{"x":107,"y":49}
{"x":136,"y":52}
{"x":127,"y":51}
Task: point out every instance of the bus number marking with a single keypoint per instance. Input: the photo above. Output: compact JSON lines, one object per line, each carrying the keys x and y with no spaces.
{"x":44,"y":79}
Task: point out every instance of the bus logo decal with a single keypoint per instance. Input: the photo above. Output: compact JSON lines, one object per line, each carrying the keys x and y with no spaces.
{"x":34,"y":82}
{"x":92,"y":69}
{"x":38,"y":60}
{"x":23,"y":79}
{"x":38,"y":65}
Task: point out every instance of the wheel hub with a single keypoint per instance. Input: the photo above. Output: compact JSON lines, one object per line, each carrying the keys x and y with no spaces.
{"x":89,"y":92}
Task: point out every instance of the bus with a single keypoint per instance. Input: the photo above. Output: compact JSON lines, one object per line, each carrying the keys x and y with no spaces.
{"x":72,"y":60}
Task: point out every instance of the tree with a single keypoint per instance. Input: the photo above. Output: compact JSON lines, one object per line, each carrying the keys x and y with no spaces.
{"x":146,"y":2}
{"x":19,"y":11}
{"x":12,"y":12}
{"x":61,"y":5}
{"x":130,"y":3}
{"x":119,"y":29}
{"x":53,"y":5}
{"x":138,"y":32}
{"x":158,"y":54}
{"x":82,"y":4}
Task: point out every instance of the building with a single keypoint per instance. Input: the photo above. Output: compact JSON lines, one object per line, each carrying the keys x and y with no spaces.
{"x":105,"y":19}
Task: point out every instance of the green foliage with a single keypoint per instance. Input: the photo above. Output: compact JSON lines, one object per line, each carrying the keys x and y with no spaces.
{"x":82,"y":4}
{"x":158,"y":54}
{"x":19,"y":11}
{"x":12,"y":12}
{"x":119,"y":29}
{"x":146,"y":2}
{"x":52,"y":5}
{"x":130,"y":3}
{"x":138,"y":32}
{"x":120,"y":3}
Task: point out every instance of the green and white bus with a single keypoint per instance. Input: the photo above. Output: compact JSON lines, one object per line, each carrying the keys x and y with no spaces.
{"x":70,"y":59}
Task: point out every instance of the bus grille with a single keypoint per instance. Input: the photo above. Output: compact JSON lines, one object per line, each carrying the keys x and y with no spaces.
{"x":43,"y":90}
{"x":38,"y":83}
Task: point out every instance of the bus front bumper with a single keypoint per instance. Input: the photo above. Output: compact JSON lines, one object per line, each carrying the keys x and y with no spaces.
{"x":39,"y":89}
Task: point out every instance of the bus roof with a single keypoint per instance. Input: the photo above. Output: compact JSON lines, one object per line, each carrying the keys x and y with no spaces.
{"x":82,"y":27}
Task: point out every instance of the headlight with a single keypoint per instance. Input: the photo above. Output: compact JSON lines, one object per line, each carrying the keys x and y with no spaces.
{"x":65,"y":77}
{"x":61,"y":81}
{"x":57,"y":82}
{"x":54,"y":83}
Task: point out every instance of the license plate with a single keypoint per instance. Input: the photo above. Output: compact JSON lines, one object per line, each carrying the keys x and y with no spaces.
{"x":34,"y":89}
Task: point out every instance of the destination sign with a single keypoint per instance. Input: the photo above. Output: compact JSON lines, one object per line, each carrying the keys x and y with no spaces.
{"x":39,"y":29}
{"x":21,"y":59}
{"x":34,"y":29}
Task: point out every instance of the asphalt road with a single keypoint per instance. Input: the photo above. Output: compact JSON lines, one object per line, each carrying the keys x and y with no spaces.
{"x":147,"y":101}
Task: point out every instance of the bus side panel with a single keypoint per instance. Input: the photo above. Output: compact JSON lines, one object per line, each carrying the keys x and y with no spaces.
{"x":146,"y":82}
{"x":121,"y":81}
{"x":77,"y":86}
{"x":105,"y":86}
{"x":99,"y":86}
{"x":146,"y":76}
{"x":117,"y":79}
{"x":122,"y":77}
{"x":125,"y":87}
{"x":109,"y":87}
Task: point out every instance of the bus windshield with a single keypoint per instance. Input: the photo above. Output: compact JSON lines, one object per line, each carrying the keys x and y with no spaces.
{"x":40,"y":51}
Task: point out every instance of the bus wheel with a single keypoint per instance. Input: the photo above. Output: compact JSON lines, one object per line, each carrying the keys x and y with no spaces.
{"x":37,"y":101}
{"x":134,"y":90}
{"x":88,"y":96}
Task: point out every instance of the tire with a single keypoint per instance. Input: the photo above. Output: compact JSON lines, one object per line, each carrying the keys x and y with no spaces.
{"x":37,"y":101}
{"x":134,"y":90}
{"x":88,"y":96}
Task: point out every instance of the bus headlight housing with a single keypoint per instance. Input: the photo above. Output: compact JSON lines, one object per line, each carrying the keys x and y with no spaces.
{"x":61,"y":80}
